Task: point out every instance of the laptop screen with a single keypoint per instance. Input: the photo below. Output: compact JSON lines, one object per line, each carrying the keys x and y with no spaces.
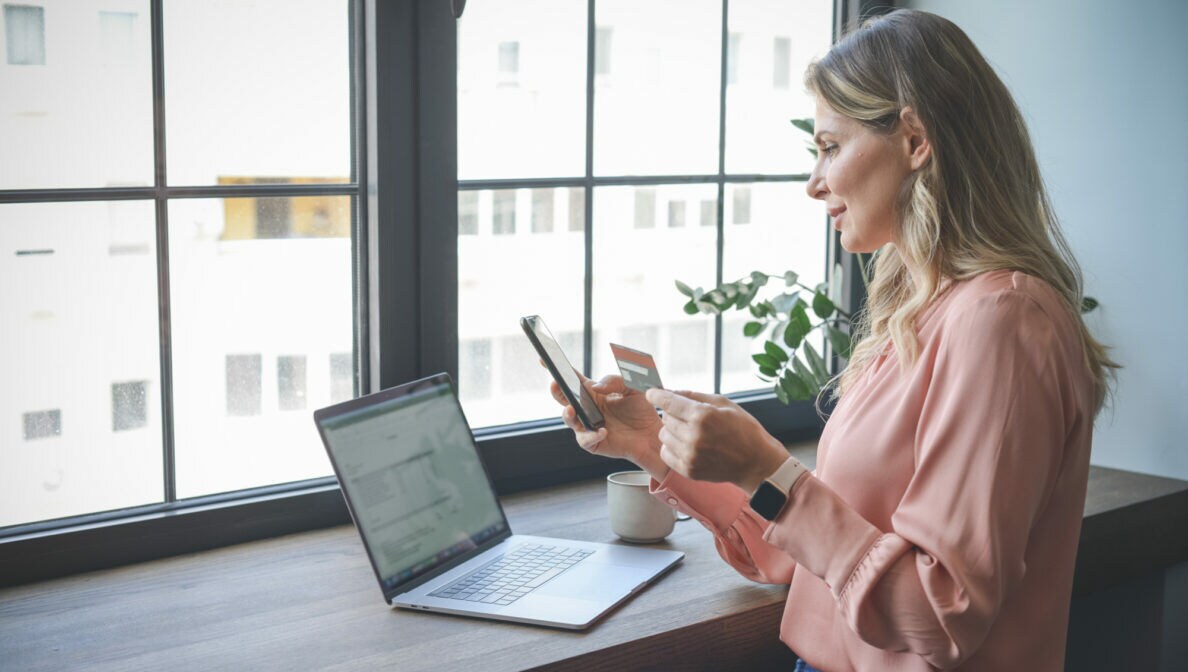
{"x":412,"y":474}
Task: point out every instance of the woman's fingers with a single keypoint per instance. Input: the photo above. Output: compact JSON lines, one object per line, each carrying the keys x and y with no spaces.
{"x":589,"y":441}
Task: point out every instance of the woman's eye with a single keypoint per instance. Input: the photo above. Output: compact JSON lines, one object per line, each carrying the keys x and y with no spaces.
{"x":829,"y":150}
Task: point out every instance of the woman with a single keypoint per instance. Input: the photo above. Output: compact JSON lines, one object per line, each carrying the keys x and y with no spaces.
{"x":940,"y":527}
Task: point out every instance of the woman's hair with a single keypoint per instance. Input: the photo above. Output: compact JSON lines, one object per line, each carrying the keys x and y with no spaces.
{"x":979,"y":204}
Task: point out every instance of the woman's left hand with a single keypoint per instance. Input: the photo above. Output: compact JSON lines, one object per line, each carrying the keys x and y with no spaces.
{"x":707,"y":437}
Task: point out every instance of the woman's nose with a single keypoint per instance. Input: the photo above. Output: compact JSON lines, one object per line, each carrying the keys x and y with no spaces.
{"x":815,"y":187}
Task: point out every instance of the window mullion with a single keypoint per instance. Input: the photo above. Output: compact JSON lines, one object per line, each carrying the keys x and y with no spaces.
{"x":160,"y":182}
{"x":721,"y":214}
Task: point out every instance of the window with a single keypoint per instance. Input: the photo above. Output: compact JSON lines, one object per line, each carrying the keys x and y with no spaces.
{"x":676,"y":214}
{"x":183,"y":271}
{"x":542,"y":210}
{"x":42,"y":424}
{"x":290,"y":382}
{"x":227,"y":288}
{"x":602,"y":51}
{"x":24,"y":33}
{"x":577,"y":209}
{"x":709,"y":212}
{"x":781,"y":65}
{"x":129,"y":405}
{"x":638,"y":171}
{"x":243,"y":385}
{"x":468,"y":207}
{"x":733,"y":54}
{"x":342,"y":377}
{"x":645,"y":208}
{"x":742,"y":205}
{"x":509,"y":63}
{"x":117,"y":30}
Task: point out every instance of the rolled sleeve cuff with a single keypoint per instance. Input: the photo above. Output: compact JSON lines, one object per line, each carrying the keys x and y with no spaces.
{"x":822,"y":533}
{"x":716,"y":505}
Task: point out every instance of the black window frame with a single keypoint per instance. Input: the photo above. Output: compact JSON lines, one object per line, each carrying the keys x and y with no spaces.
{"x":405,"y":226}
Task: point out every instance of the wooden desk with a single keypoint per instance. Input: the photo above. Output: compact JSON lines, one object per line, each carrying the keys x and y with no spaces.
{"x":310,"y":601}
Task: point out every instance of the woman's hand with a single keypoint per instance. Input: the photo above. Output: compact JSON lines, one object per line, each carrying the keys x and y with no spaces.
{"x":632,"y":425}
{"x":707,"y":437}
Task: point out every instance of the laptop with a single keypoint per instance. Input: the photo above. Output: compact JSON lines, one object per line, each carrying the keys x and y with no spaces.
{"x":435,"y":532}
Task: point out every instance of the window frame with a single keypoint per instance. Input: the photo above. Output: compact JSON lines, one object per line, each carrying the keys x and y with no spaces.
{"x":406,"y":197}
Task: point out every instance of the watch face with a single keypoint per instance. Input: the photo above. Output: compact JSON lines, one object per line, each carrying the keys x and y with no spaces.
{"x":768,"y":500}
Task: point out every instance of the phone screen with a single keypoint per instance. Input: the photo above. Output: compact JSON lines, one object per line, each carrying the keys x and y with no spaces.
{"x":563,"y":372}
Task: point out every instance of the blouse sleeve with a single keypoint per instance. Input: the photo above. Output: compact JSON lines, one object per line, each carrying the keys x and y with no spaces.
{"x":988,"y":450}
{"x":724,"y":509}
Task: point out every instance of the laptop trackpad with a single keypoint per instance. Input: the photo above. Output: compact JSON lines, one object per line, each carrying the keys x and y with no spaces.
{"x":595,"y":581}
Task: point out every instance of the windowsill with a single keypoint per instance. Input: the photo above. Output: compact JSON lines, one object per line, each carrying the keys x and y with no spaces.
{"x":311,"y":598}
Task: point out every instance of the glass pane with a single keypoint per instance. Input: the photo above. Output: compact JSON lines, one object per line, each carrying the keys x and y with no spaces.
{"x":770,"y":227}
{"x":76,"y":95}
{"x":81,"y":417}
{"x":775,"y":42}
{"x":262,"y":332}
{"x":504,"y":273}
{"x":635,"y":299}
{"x":258,"y":91}
{"x":522,"y":89}
{"x":656,"y":109}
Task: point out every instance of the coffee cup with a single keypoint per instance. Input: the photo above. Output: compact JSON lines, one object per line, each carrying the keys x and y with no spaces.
{"x":635,"y":515}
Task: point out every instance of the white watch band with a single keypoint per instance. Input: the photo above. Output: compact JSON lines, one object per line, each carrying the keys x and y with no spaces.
{"x":786,"y":476}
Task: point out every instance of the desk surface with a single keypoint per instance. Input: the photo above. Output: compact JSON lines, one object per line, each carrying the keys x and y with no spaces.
{"x":311,"y":601}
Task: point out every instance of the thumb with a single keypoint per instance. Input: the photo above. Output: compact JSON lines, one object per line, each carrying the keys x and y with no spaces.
{"x":703,"y":397}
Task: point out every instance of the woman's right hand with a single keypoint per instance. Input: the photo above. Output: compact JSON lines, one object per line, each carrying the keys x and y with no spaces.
{"x":632,"y":429}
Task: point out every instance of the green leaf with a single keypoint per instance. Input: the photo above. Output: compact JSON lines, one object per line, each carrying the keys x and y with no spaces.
{"x":745,"y":297}
{"x":782,"y":393}
{"x":730,"y":289}
{"x":798,"y":326}
{"x":1089,"y":304}
{"x":822,"y":306}
{"x":840,"y":341}
{"x":793,"y":335}
{"x":684,"y":289}
{"x":691,"y":308}
{"x":766,"y":360}
{"x":768,"y":371}
{"x":775,"y":351}
{"x":790,"y":278}
{"x":806,"y":378}
{"x":783,"y":303}
{"x":795,"y":387}
{"x":759,"y":279}
{"x":752,"y":329}
{"x":805,"y":124}
{"x":812,"y":150}
{"x":820,"y":371}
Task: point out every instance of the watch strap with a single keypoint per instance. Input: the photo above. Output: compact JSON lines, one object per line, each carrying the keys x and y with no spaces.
{"x":771,"y":496}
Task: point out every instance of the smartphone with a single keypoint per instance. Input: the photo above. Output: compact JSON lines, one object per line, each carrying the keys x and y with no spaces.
{"x":558,"y":365}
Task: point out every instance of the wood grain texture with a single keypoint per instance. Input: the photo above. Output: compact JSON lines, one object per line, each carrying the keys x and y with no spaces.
{"x":310,"y":601}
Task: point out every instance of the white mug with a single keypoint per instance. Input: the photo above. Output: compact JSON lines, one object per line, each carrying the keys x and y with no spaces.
{"x":635,"y":515}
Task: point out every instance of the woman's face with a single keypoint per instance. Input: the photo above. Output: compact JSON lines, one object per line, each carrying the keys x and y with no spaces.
{"x":859,"y":175}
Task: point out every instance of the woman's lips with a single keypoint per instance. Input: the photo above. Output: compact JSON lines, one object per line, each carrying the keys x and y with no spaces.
{"x":835,"y":214}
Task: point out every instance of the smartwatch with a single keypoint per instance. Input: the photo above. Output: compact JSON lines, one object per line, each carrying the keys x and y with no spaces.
{"x":771,"y":496}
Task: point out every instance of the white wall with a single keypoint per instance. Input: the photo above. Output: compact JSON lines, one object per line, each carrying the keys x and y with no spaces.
{"x":1103,"y":86}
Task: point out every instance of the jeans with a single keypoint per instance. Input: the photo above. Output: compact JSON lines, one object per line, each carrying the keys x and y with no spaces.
{"x":802,"y":666}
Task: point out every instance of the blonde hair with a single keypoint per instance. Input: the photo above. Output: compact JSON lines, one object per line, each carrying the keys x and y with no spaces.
{"x":978,"y":205}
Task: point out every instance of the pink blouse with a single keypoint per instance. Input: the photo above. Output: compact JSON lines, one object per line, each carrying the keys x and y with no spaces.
{"x":940,"y":527}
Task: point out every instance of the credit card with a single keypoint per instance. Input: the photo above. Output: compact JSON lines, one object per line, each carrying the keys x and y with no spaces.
{"x":638,"y":368}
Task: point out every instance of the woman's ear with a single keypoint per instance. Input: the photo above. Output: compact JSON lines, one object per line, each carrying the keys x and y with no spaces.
{"x":916,"y":138}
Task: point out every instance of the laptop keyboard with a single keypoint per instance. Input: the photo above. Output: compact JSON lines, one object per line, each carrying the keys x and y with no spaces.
{"x":513,"y":575}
